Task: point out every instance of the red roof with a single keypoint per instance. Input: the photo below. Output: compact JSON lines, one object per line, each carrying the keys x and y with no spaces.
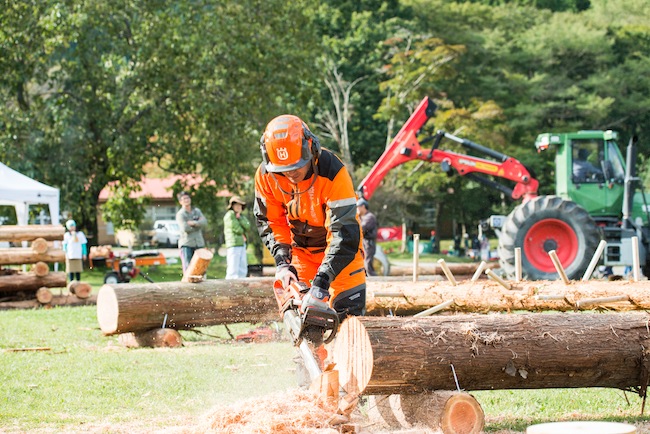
{"x":161,"y":188}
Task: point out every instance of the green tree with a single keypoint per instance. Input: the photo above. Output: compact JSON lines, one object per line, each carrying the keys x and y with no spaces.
{"x":106,"y":87}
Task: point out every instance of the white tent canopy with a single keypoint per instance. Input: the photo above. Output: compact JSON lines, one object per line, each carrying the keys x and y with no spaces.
{"x":22,"y":191}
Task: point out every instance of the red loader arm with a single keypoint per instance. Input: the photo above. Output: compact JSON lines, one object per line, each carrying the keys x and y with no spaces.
{"x":406,"y":147}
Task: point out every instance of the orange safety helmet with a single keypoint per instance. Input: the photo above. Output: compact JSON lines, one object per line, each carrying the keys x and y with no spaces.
{"x":287,"y":144}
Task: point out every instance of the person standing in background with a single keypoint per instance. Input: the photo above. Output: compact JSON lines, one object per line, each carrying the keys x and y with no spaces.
{"x":75,"y":248}
{"x":369,"y":228}
{"x":235,"y":226}
{"x":192,"y":222}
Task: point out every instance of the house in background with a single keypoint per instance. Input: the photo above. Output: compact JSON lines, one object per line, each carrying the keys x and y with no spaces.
{"x":162,"y":206}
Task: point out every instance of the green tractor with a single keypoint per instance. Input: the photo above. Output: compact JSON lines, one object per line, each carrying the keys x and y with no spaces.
{"x":594,"y":199}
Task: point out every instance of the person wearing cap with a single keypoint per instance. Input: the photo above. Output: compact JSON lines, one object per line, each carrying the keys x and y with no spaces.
{"x":305,"y":210}
{"x":235,"y":226}
{"x":192,"y":222}
{"x":369,"y":229}
{"x":75,"y":248}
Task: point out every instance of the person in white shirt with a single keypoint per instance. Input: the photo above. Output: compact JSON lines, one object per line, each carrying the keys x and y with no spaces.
{"x":75,"y":248}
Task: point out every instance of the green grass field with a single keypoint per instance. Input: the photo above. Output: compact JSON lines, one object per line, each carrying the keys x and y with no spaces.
{"x":58,"y":373}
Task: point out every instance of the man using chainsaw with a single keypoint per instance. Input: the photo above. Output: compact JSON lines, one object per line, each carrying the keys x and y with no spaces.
{"x":305,"y":209}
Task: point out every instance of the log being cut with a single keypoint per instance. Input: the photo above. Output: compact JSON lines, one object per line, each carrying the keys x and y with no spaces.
{"x":131,"y":307}
{"x":385,"y":356}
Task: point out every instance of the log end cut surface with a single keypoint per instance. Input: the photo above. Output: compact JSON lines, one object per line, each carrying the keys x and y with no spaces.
{"x":353,"y":355}
{"x":462,"y":414}
{"x":107,"y":310}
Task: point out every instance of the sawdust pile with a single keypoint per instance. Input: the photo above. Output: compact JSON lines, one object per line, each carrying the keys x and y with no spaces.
{"x":292,"y":412}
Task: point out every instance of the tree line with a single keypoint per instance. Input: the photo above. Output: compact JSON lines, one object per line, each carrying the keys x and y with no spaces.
{"x":93,"y":92}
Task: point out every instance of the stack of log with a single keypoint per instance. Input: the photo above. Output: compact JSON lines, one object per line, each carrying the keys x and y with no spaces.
{"x":24,"y":289}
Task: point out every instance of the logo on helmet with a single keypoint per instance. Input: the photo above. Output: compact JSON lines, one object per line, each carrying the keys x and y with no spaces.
{"x":282,"y":153}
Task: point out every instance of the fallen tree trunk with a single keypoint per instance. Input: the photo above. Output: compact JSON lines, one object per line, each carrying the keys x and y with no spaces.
{"x":433,"y":268}
{"x":23,"y":255}
{"x":142,"y":306}
{"x":459,"y":269}
{"x":14,"y":233}
{"x":31,"y":282}
{"x":409,"y":298}
{"x":132,"y":307}
{"x":57,"y":300}
{"x":385,"y":356}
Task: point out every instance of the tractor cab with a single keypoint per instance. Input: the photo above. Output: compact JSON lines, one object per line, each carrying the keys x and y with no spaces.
{"x":589,"y":169}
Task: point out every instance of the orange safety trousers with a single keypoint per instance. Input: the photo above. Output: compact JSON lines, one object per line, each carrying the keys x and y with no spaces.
{"x":307,"y":264}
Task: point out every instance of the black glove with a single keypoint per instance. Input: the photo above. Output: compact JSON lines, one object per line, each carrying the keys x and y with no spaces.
{"x":320,"y":287}
{"x":282,"y":254}
{"x":318,"y":295}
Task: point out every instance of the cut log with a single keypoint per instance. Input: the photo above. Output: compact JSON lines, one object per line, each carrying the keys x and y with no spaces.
{"x":40,"y":246}
{"x":31,"y":282}
{"x":431,"y":268}
{"x":22,"y":255}
{"x":134,"y":307}
{"x":44,"y":295}
{"x":450,"y":412}
{"x":80,"y":289}
{"x":386,"y":356}
{"x":40,"y":269}
{"x":57,"y":300}
{"x":198,"y":266}
{"x":404,"y":299}
{"x":13,"y":233}
{"x":156,"y":338}
{"x":142,"y":306}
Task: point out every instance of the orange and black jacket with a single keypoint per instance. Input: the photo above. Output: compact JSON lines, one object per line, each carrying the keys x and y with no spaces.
{"x":320,"y":217}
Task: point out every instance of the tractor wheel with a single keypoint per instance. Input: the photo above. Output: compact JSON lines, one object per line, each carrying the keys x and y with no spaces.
{"x":112,"y":278}
{"x":543,"y":224}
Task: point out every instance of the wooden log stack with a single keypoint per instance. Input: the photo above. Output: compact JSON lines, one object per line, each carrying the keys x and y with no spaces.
{"x":36,"y":284}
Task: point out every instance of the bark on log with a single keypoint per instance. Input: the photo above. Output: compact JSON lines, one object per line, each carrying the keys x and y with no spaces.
{"x":198,"y":266}
{"x":40,"y":246}
{"x":57,"y":300}
{"x":142,"y":306}
{"x":133,"y":307}
{"x":13,"y":233}
{"x":409,"y":298}
{"x":80,"y":289}
{"x":433,"y":268}
{"x":460,"y":271}
{"x":40,"y":269}
{"x":23,"y":255}
{"x":451,"y":412}
{"x":385,"y":356}
{"x":156,"y":338}
{"x":44,"y":295}
{"x":31,"y":282}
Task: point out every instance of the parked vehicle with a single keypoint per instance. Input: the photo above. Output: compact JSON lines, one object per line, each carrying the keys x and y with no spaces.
{"x":166,"y":233}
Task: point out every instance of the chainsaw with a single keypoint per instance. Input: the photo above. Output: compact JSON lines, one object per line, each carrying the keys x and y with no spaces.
{"x":314,"y":326}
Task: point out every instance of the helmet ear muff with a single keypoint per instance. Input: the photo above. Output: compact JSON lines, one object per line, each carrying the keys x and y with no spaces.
{"x":314,"y":149}
{"x":265,"y":154}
